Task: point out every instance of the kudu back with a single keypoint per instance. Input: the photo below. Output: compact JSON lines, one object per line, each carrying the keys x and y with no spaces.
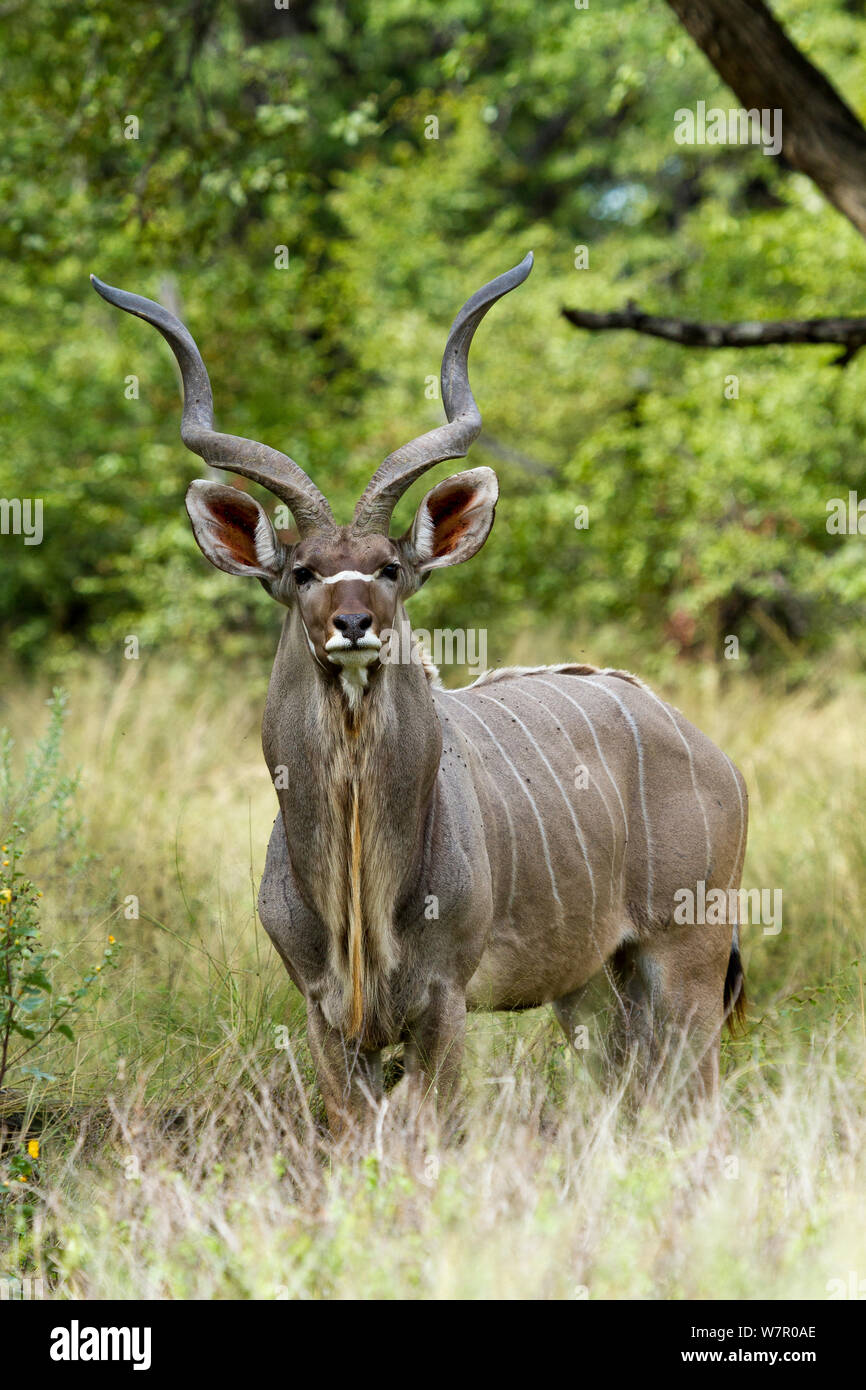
{"x":493,"y":847}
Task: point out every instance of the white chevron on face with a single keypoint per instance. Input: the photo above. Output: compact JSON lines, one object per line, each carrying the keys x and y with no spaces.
{"x":344,"y":575}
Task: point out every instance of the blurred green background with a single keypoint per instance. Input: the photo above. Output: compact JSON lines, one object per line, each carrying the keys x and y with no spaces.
{"x":307,"y":128}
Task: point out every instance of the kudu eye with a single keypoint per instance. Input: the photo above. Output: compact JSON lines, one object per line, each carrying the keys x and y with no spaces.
{"x":302,"y":576}
{"x":389,"y":572}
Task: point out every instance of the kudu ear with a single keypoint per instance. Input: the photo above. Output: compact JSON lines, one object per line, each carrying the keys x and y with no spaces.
{"x":453,"y":521}
{"x":233,"y":531}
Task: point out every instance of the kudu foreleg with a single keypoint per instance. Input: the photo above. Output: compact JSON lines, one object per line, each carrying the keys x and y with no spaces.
{"x":433,"y":1051}
{"x":351,"y":1080}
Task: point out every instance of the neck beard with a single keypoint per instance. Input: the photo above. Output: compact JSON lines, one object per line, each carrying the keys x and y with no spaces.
{"x":356,"y":889}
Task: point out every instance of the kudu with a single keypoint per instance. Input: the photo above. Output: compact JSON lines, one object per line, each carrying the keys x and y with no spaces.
{"x":493,"y":847}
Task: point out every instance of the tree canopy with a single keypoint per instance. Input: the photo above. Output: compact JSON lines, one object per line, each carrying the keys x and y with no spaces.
{"x":317,"y":189}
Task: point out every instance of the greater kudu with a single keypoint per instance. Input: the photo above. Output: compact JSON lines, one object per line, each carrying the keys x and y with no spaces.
{"x":492,"y":847}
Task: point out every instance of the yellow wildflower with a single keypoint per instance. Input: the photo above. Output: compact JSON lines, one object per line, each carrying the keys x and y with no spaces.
{"x":33,"y":1148}
{"x":6,"y":895}
{"x":111,"y":941}
{"x":21,"y":1177}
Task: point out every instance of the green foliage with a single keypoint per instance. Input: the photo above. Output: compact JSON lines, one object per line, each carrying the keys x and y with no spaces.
{"x":30,"y":1009}
{"x":308,"y":128}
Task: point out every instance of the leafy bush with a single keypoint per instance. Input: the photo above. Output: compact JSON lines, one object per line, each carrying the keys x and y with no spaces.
{"x":30,"y":1009}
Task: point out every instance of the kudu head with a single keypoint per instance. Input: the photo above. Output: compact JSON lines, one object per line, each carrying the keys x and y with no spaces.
{"x":346,"y":582}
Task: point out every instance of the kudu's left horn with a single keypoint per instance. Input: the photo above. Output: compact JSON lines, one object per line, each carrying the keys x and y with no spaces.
{"x":262,"y":464}
{"x":451,"y":441}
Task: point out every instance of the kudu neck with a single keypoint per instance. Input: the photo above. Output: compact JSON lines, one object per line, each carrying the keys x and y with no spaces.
{"x":391,"y":739}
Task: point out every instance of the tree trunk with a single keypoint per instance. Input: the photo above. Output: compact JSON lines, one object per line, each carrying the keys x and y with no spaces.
{"x":821,"y":136}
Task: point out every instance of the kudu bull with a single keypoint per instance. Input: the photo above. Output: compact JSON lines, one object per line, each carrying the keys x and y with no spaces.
{"x":492,"y":847}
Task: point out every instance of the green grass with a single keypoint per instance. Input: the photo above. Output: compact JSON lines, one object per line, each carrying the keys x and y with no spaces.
{"x":180,"y":1148}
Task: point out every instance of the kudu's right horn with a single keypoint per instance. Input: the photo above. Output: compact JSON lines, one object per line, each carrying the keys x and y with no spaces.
{"x":262,"y":464}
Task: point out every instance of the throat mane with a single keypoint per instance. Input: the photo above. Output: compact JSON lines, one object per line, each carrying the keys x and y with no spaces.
{"x":356,"y":890}
{"x":354,"y":681}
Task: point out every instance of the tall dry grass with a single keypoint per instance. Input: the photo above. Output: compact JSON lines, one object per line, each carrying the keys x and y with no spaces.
{"x":181,"y":1153}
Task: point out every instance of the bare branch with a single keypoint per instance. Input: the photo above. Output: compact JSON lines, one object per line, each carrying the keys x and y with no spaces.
{"x":505,"y":452}
{"x":847,"y":333}
{"x":821,"y":137}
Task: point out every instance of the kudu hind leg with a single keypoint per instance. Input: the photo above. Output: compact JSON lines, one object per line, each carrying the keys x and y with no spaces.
{"x":629,"y":1051}
{"x":433,"y":1050}
{"x":671,"y":1014}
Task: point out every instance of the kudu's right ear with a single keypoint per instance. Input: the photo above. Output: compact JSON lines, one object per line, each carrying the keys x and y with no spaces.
{"x":234,"y":532}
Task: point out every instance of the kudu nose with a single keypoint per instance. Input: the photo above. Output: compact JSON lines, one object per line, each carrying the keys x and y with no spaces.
{"x":352,"y":625}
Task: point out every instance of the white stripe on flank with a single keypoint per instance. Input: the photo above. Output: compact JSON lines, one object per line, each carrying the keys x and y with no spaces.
{"x":742,"y":819}
{"x":602,"y":955}
{"x":494,"y":740}
{"x":641,"y":789}
{"x":598,"y":747}
{"x":512,"y":885}
{"x":577,"y":830}
{"x":507,"y":811}
{"x":700,"y":799}
{"x":581,"y":711}
{"x":592,"y":779}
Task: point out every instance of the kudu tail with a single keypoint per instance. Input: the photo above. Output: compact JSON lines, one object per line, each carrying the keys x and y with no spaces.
{"x":735,"y":989}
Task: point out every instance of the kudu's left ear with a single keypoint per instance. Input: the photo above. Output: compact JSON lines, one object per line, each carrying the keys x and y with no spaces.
{"x":453,"y":521}
{"x":233,"y":531}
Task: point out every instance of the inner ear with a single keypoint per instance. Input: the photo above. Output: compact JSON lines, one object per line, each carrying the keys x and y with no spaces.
{"x":233,"y":531}
{"x":454,"y":520}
